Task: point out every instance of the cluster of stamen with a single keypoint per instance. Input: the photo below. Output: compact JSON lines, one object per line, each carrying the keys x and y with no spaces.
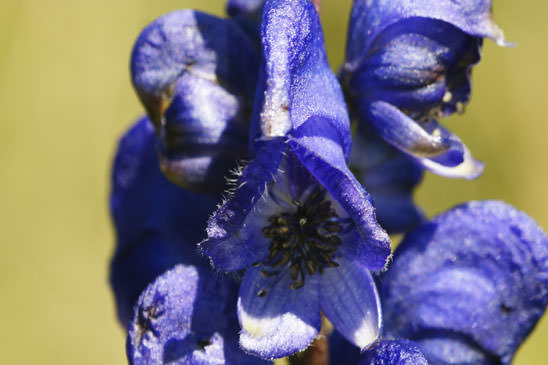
{"x":436,"y":112}
{"x":425,"y":116}
{"x":304,"y":241}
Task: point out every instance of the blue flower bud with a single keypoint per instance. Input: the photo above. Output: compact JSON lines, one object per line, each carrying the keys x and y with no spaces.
{"x":408,"y":63}
{"x":186,"y":316}
{"x":196,"y":76}
{"x":468,"y":286}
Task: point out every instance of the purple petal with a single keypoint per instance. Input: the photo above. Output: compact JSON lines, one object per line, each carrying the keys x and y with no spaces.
{"x":144,"y":259}
{"x":157,"y":224}
{"x":470,"y":284}
{"x":399,"y":352}
{"x":235,"y":239}
{"x":396,"y":212}
{"x":187,"y":69}
{"x":317,"y":146}
{"x":442,"y":347}
{"x":469,"y":168}
{"x":186,"y":316}
{"x":298,"y":83}
{"x":192,"y":42}
{"x":404,"y":133}
{"x":371,"y":18}
{"x":142,"y":197}
{"x":349,"y":299}
{"x":417,"y":64}
{"x":204,"y":134}
{"x":430,"y":144}
{"x":277,"y":321}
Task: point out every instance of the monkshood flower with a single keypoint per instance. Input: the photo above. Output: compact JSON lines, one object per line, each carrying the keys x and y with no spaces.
{"x":196,"y":76}
{"x":467,"y":287}
{"x":298,"y":221}
{"x":408,"y":63}
{"x":187,"y":314}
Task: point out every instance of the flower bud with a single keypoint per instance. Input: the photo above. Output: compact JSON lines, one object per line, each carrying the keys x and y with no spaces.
{"x":196,"y":74}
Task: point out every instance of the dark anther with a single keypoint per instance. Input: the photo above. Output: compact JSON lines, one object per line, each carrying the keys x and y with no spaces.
{"x":506,"y":308}
{"x":283,"y":260}
{"x":202,"y":344}
{"x":268,"y":274}
{"x":274,"y":252}
{"x":311,"y":267}
{"x":261,"y":293}
{"x":333,"y":227}
{"x":304,"y":240}
{"x":294,"y":270}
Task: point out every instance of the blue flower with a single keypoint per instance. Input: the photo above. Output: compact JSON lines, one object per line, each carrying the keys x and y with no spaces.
{"x":298,"y":220}
{"x":408,"y":63}
{"x":187,"y":68}
{"x":187,"y":316}
{"x":188,"y":313}
{"x":468,"y":286}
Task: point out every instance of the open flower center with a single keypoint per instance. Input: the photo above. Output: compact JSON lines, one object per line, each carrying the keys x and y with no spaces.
{"x":304,"y":240}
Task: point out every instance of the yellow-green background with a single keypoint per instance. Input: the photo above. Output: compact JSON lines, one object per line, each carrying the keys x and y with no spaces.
{"x":65,"y":97}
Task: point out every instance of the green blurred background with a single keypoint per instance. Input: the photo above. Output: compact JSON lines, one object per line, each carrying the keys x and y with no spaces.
{"x":65,"y":98}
